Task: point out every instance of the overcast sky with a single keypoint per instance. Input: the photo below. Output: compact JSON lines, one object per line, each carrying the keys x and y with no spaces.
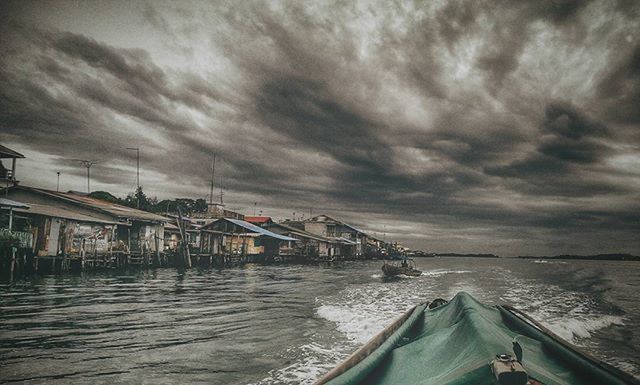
{"x":509,"y":127}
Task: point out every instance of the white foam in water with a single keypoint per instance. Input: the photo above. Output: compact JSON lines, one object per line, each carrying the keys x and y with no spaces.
{"x":316,"y":360}
{"x":357,"y":324}
{"x":571,"y":315}
{"x":441,"y":272}
{"x":550,"y":262}
{"x":572,"y":329}
{"x":361,"y":311}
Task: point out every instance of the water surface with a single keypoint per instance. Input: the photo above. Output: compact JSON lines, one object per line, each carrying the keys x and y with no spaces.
{"x":283,"y":324}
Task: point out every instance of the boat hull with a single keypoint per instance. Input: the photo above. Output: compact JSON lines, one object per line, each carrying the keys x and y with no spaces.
{"x":453,"y":344}
{"x":393,"y":271}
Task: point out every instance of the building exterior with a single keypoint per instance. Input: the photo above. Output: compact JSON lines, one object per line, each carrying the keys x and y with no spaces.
{"x":245,"y":239}
{"x":353,"y":241}
{"x":309,"y":245}
{"x":214,"y":212}
{"x":69,"y":224}
{"x":259,"y":221}
{"x":8,"y":171}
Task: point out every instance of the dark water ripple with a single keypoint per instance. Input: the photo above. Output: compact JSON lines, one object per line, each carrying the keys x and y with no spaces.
{"x":281,"y":324}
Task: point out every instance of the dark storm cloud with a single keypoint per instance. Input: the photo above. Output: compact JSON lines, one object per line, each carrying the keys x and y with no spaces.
{"x":97,"y":78}
{"x":564,"y":120}
{"x":569,"y":142}
{"x":620,"y":89}
{"x":455,"y":19}
{"x":437,"y":115}
{"x":305,"y":111}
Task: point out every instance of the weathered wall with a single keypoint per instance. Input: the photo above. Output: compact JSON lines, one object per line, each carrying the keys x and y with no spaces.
{"x":316,"y":228}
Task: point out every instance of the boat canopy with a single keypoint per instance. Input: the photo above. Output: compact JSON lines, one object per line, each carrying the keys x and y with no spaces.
{"x":453,"y":344}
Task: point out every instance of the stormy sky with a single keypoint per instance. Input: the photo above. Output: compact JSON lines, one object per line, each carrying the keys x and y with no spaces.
{"x":509,"y":127}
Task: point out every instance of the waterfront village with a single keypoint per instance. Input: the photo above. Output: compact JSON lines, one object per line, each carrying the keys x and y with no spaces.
{"x":47,"y":230}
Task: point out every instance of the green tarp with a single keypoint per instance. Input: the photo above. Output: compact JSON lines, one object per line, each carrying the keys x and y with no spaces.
{"x":454,"y":343}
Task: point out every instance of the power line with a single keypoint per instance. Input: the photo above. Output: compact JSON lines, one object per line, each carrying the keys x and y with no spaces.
{"x":88,"y":163}
{"x":213,"y":173}
{"x":137,"y":150}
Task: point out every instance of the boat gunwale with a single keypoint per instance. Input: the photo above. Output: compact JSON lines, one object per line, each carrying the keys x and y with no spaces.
{"x":371,"y":346}
{"x":621,"y":374}
{"x":375,"y":342}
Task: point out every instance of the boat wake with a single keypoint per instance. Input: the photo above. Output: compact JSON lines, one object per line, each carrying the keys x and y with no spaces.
{"x":311,"y":361}
{"x":360,"y":313}
{"x":574,"y":329}
{"x":441,"y":272}
{"x":550,"y":262}
{"x":572,"y":315}
{"x":362,"y":310}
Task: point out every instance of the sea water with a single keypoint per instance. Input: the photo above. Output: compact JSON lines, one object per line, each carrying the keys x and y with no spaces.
{"x":284,"y":324}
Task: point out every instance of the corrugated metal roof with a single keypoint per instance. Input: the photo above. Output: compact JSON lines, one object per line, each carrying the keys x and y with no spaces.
{"x":257,"y":219}
{"x":301,"y":233}
{"x":6,"y":152}
{"x":114,"y":209}
{"x":257,"y":229}
{"x":4,"y":202}
{"x":59,"y":212}
{"x":335,"y":221}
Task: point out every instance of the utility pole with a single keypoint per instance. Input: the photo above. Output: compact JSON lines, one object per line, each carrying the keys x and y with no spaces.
{"x":254,"y":208}
{"x":221,"y":193}
{"x":137,"y":149}
{"x":213,"y":173}
{"x":88,"y":163}
{"x":58,"y":184}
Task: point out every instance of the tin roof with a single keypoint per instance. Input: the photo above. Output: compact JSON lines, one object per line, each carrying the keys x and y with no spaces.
{"x":6,"y":152}
{"x":114,"y":209}
{"x":301,"y":233}
{"x":327,"y":219}
{"x":258,"y":219}
{"x":60,"y":212}
{"x":8,"y":203}
{"x":257,"y":229}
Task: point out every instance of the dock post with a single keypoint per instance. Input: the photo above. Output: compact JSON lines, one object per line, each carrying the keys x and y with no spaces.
{"x":13,"y":262}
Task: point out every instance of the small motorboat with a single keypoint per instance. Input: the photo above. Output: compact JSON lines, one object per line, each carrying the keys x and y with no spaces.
{"x":464,"y":342}
{"x":404,"y":267}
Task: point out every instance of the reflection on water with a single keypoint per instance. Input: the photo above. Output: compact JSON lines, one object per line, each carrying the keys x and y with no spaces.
{"x":283,"y":324}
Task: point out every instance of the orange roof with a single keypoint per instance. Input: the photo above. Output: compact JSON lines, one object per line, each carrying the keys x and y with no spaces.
{"x":258,"y":219}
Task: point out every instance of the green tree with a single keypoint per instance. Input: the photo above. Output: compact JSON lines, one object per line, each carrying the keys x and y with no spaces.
{"x":106,"y":196}
{"x":140,"y":200}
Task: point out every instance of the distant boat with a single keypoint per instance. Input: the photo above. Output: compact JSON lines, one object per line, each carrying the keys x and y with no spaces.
{"x":465,"y":342}
{"x":404,"y":267}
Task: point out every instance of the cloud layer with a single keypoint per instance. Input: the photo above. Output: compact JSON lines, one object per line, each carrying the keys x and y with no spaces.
{"x":508,"y":127}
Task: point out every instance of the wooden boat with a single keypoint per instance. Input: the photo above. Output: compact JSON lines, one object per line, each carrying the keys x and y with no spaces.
{"x":464,"y":342}
{"x":406,"y":267}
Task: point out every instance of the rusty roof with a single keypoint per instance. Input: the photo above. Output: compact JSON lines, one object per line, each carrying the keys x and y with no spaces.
{"x":60,"y":212}
{"x":119,"y":211}
{"x":258,"y":219}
